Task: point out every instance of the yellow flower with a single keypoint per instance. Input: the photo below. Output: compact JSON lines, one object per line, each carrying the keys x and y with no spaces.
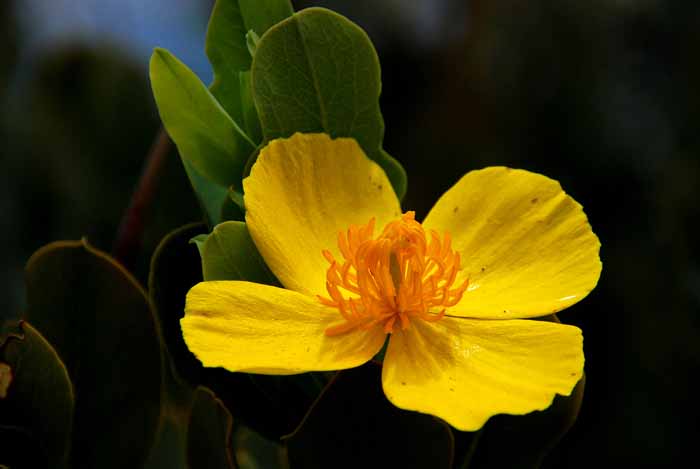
{"x":452,"y":293}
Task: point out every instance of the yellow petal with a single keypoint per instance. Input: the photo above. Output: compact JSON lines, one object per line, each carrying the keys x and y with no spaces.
{"x":467,"y":370}
{"x":244,"y":326}
{"x":301,"y":192}
{"x":525,"y":245}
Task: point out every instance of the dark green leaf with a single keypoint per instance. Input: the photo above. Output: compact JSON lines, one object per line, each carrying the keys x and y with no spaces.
{"x":250,"y":114}
{"x":225,"y":46}
{"x":318,"y":72}
{"x":230,"y":254}
{"x":170,"y":447}
{"x":175,"y":268}
{"x":254,"y":451}
{"x":209,"y":432}
{"x":204,"y":133}
{"x":39,"y":397}
{"x":99,"y":320}
{"x":261,"y":15}
{"x":352,"y":423}
{"x":230,"y":210}
{"x":199,"y":241}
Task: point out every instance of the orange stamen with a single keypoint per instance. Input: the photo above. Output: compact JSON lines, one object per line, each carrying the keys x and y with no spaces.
{"x":393,"y":279}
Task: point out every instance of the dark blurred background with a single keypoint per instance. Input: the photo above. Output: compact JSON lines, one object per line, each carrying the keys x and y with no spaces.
{"x":603,"y":95}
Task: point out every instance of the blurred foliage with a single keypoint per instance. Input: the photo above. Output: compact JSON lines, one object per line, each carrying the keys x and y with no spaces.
{"x":36,"y":403}
{"x":99,"y":320}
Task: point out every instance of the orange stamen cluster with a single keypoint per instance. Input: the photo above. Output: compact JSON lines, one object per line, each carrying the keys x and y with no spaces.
{"x":398,"y":277}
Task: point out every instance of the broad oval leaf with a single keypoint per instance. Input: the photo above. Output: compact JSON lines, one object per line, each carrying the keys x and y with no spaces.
{"x":100,"y":322}
{"x":318,"y":72}
{"x":38,"y":398}
{"x":205,"y":135}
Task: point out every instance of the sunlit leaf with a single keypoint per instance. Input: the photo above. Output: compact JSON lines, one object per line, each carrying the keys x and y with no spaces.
{"x":204,"y":133}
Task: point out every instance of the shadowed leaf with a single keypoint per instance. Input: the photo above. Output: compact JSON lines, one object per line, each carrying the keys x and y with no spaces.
{"x":209,"y":432}
{"x":99,"y":320}
{"x":38,"y":403}
{"x":230,"y":254}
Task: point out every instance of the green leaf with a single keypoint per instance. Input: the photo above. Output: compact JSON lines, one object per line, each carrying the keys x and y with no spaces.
{"x":261,"y":15}
{"x":211,"y":196}
{"x":253,"y":451}
{"x":209,"y":432}
{"x":230,"y":254}
{"x":175,"y":268}
{"x":100,"y":322}
{"x":318,"y":72}
{"x":230,"y":210}
{"x":199,"y":241}
{"x":352,"y":422}
{"x":170,"y":448}
{"x":250,"y":114}
{"x":251,"y":40}
{"x":204,"y":133}
{"x":227,"y":47}
{"x":39,"y":397}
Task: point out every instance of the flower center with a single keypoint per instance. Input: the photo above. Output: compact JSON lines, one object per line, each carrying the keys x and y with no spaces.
{"x":398,"y":277}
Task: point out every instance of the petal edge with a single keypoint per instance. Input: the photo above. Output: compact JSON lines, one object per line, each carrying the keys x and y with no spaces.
{"x":255,"y":328}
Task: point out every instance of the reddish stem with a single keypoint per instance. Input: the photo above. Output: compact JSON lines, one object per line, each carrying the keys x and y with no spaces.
{"x":130,"y":235}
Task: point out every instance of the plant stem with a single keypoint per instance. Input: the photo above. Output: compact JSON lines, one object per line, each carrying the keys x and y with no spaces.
{"x":130,"y":234}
